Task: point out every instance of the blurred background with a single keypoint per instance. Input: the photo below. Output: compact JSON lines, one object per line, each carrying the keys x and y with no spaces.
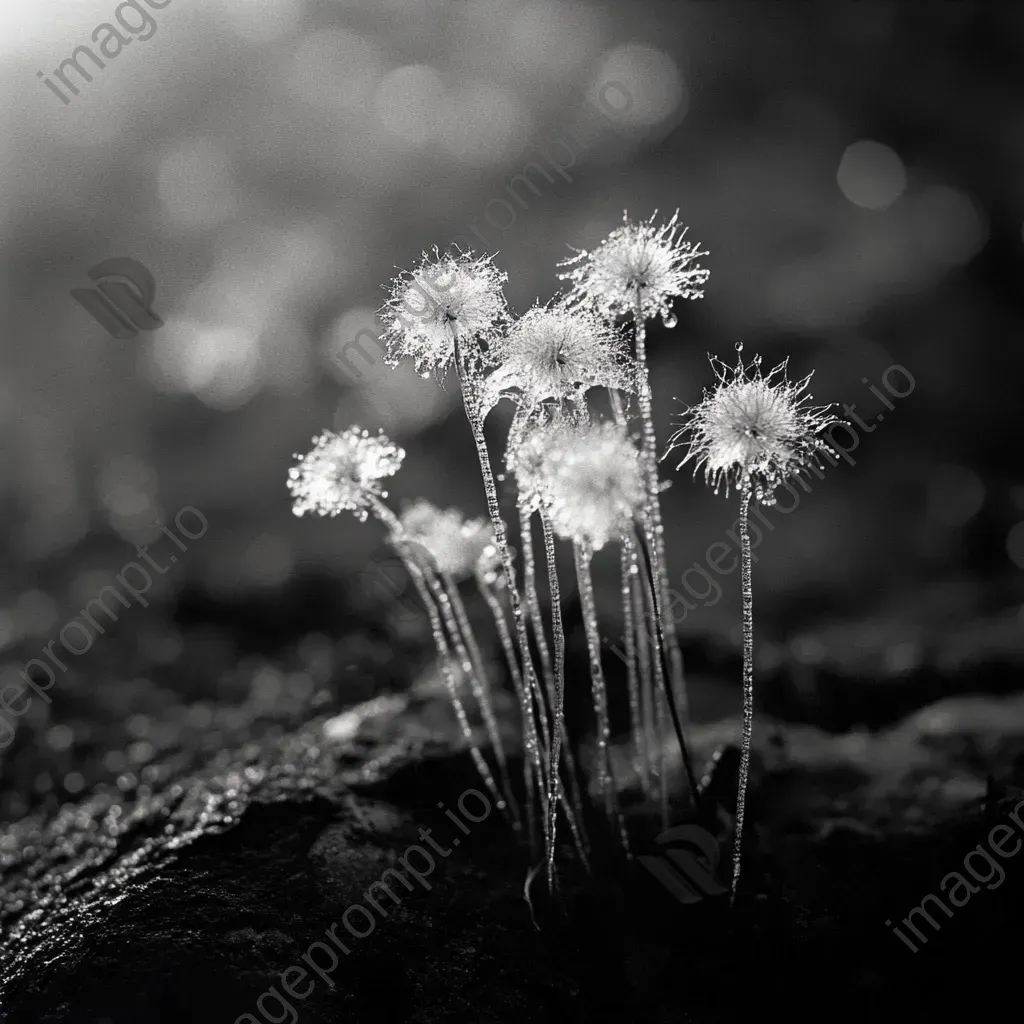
{"x":854,"y":170}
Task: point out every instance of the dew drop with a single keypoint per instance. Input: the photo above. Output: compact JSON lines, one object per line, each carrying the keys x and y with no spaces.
{"x":670,"y":320}
{"x":739,"y":346}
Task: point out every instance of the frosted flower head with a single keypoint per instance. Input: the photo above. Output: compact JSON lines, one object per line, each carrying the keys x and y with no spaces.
{"x":482,"y":549}
{"x":455,"y":545}
{"x":526,"y":461}
{"x":446,"y":298}
{"x":638,"y":262}
{"x":753,"y":429}
{"x":557,"y":353}
{"x":342,"y":472}
{"x":587,"y":477}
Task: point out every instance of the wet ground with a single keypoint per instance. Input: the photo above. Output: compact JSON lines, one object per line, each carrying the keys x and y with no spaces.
{"x":228,"y":834}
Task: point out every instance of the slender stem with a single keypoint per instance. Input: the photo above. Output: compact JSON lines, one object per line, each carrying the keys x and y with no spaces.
{"x":637,"y":650}
{"x":628,"y":568}
{"x":560,"y":741}
{"x":391,"y":522}
{"x":643,"y":655}
{"x":466,"y":644}
{"x":652,"y":520}
{"x":606,"y":787}
{"x":535,"y":619}
{"x":684,"y":750}
{"x":532,"y":762}
{"x":651,"y":640}
{"x":748,"y":681}
{"x":471,"y":404}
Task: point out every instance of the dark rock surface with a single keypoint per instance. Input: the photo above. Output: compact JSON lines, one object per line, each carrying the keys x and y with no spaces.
{"x":188,"y":900}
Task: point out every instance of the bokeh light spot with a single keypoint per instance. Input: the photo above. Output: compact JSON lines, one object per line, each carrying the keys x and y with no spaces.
{"x":639,"y":86}
{"x":871,"y":175}
{"x":410,"y":101}
{"x":1015,"y":545}
{"x":950,"y":226}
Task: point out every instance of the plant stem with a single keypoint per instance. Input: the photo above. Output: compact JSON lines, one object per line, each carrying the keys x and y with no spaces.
{"x":748,"y":681}
{"x":560,"y":741}
{"x":467,"y":645}
{"x":638,"y":647}
{"x":392,"y":524}
{"x":647,"y":625}
{"x":471,"y":403}
{"x":536,"y":622}
{"x":684,"y":750}
{"x":643,"y":655}
{"x":532,"y":762}
{"x":629,"y":568}
{"x":653,"y":526}
{"x":588,"y":602}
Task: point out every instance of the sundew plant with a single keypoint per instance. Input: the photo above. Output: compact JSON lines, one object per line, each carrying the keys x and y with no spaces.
{"x":573,"y":477}
{"x":752,"y":432}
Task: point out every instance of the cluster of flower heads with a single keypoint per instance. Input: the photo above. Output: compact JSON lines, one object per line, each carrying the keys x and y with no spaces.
{"x":457,"y":546}
{"x":642,"y":264}
{"x":342,"y":472}
{"x":556,"y":353}
{"x":447,"y":298}
{"x":753,"y":429}
{"x":586,"y":476}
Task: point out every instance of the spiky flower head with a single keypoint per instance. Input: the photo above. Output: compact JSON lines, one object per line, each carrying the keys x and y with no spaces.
{"x":555,"y":352}
{"x":449,"y":297}
{"x":644,"y":264}
{"x":754,"y":429}
{"x":456,"y":546}
{"x":342,"y":472}
{"x":587,"y":477}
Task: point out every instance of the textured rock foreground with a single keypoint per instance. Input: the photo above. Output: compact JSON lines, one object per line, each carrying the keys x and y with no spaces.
{"x":188,"y":902}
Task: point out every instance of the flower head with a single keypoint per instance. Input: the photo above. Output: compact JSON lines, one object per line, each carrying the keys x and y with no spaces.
{"x":556,"y":352}
{"x":481,"y":549}
{"x":457,"y":546}
{"x":342,"y":472}
{"x":447,"y":298}
{"x":638,"y":263}
{"x":587,"y":477}
{"x":753,"y":429}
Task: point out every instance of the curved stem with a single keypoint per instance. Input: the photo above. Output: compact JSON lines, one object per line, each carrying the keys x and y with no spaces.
{"x":394,"y":527}
{"x":653,"y":526}
{"x":684,"y":750}
{"x":466,"y":646}
{"x":748,"y":682}
{"x":643,"y":655}
{"x":532,"y":763}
